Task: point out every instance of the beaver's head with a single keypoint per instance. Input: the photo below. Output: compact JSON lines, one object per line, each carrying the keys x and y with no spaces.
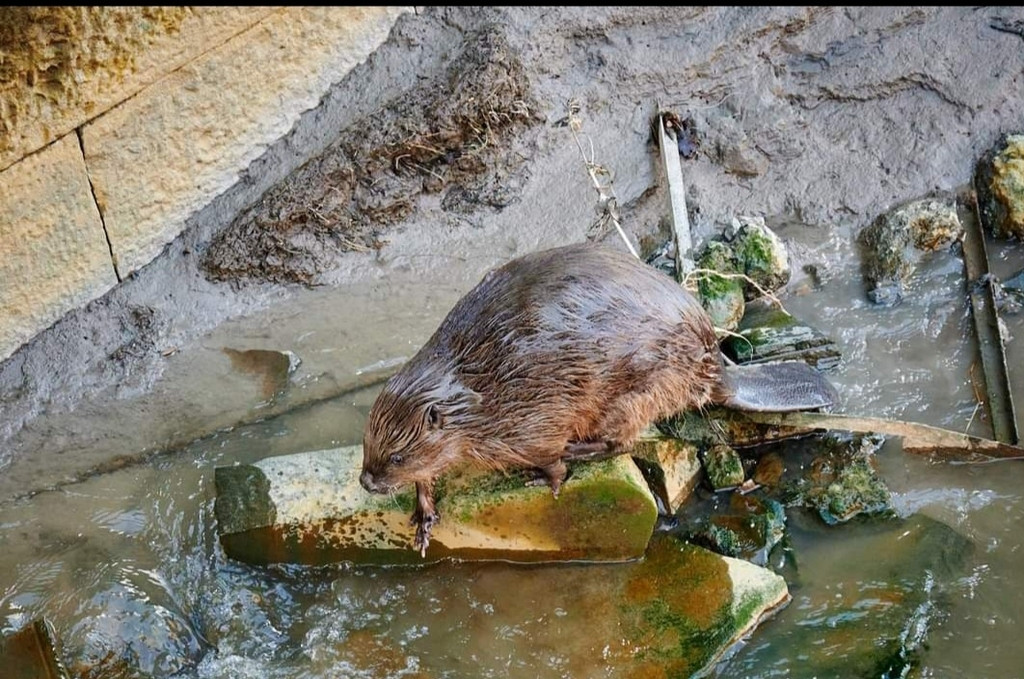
{"x":415,"y":429}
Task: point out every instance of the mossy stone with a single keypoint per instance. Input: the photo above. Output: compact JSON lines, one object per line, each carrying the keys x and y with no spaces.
{"x":723,"y":467}
{"x":309,"y":508}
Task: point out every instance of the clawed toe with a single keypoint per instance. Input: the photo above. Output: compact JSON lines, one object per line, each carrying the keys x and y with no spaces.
{"x":423,"y":525}
{"x":553,"y":475}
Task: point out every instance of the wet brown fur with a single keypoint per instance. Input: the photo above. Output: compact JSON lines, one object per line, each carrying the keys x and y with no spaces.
{"x":566,"y":346}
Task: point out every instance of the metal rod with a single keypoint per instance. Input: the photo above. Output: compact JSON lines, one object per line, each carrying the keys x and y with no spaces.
{"x":669,"y":146}
{"x":988,"y":331}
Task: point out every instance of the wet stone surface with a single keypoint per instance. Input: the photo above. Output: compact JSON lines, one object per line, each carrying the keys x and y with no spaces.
{"x":672,"y":468}
{"x":309,"y":508}
{"x":754,"y":261}
{"x":723,"y":467}
{"x":32,"y":653}
{"x":841,"y":481}
{"x":742,"y":526}
{"x":768,"y":333}
{"x":893,"y":244}
{"x":721,"y":296}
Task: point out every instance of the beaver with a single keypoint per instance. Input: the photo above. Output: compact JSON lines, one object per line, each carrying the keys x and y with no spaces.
{"x":561,"y":354}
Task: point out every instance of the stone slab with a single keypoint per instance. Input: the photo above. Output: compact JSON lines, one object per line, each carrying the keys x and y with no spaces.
{"x":309,"y":508}
{"x":53,"y":252}
{"x":65,"y":65}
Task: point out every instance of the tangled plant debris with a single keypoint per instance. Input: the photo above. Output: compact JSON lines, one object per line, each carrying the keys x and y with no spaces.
{"x":448,"y":135}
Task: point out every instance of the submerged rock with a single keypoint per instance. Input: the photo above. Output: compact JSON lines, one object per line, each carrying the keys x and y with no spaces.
{"x":309,"y":508}
{"x":682,"y":608}
{"x":1000,"y":185}
{"x":1011,"y":299}
{"x":842,"y":482}
{"x":31,"y":653}
{"x":748,"y":528}
{"x":768,"y":333}
{"x":674,"y":613}
{"x":891,"y":246}
{"x":867,"y":599}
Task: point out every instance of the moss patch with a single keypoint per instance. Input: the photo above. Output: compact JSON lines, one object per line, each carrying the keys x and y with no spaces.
{"x":724,"y":467}
{"x":681,"y":610}
{"x":309,"y":508}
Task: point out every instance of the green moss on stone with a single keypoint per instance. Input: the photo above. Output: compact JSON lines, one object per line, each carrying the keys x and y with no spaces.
{"x":724,"y":467}
{"x":682,"y":602}
{"x":718,"y":256}
{"x":756,"y":252}
{"x":1008,"y":185}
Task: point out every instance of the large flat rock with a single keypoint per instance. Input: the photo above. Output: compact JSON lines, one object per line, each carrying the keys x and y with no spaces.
{"x":53,"y":251}
{"x":309,"y":508}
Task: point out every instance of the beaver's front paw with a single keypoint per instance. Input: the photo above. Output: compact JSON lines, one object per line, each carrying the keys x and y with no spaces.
{"x":423,"y":521}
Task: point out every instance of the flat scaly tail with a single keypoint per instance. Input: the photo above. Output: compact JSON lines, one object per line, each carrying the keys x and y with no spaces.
{"x":777,"y":388}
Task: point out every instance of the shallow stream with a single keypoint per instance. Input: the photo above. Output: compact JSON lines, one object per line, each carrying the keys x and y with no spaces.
{"x":128,"y":567}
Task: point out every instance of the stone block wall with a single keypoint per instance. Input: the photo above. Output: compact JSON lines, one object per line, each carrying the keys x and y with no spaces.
{"x":117,"y":124}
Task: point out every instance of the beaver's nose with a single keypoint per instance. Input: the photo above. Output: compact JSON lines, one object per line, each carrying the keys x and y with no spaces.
{"x":366,"y":481}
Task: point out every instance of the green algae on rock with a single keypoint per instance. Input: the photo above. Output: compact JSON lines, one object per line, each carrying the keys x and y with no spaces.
{"x":891,"y":246}
{"x":768,"y":333}
{"x":721,"y":296}
{"x":842,"y":481}
{"x":1000,"y":185}
{"x":309,"y":508}
{"x":748,"y":249}
{"x":723,"y":467}
{"x":761,"y":254}
{"x":683,"y":607}
{"x":721,"y":425}
{"x":748,"y":528}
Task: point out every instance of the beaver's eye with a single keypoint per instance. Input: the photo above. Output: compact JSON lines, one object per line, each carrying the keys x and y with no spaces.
{"x":395,"y":459}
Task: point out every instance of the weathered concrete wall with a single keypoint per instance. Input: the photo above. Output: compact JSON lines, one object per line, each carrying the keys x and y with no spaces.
{"x":168,"y":107}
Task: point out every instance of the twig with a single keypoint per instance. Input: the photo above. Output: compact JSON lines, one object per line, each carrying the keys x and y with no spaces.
{"x":605,"y":192}
{"x":730,"y":333}
{"x":977,"y":406}
{"x":696,"y":274}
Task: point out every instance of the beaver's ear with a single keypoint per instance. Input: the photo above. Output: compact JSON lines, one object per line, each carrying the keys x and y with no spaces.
{"x":434,"y":420}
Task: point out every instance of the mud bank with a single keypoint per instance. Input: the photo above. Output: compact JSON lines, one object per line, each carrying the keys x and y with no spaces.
{"x":821,"y":117}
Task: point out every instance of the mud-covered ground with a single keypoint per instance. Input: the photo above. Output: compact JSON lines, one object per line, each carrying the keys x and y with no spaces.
{"x":448,"y":152}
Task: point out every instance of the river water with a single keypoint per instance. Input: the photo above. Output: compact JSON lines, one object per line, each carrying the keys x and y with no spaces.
{"x":128,"y":567}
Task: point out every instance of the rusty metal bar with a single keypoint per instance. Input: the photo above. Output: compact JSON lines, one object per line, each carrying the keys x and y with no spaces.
{"x":988,"y":331}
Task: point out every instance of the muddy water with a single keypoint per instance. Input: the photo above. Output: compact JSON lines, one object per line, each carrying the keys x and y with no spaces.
{"x":128,"y":568}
